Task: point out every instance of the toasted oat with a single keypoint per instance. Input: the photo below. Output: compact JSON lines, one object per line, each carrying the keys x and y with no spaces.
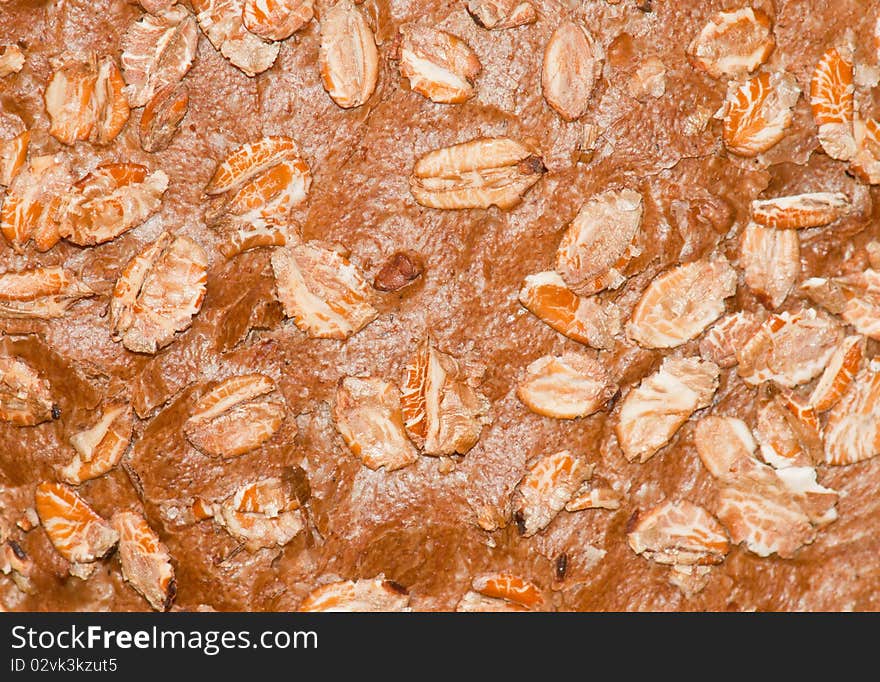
{"x":157,"y":52}
{"x":109,"y":105}
{"x":599,"y":242}
{"x":25,"y":397}
{"x":852,"y":433}
{"x":245,"y":237}
{"x":771,"y":260}
{"x":257,"y":215}
{"x":812,"y":209}
{"x":442,"y":412}
{"x":158,"y":292}
{"x":679,"y":534}
{"x":681,"y":303}
{"x":161,"y":117}
{"x":801,"y":410}
{"x":438,"y":65}
{"x":866,"y":162}
{"x":572,"y":65}
{"x":262,"y":181}
{"x":838,"y":374}
{"x":872,"y":250}
{"x":241,"y":236}
{"x":34,"y":204}
{"x":265,"y":513}
{"x":68,"y":99}
{"x":653,"y":412}
{"x":13,"y":154}
{"x":818,"y":502}
{"x":789,"y":348}
{"x":565,"y":386}
{"x":509,"y":587}
{"x":375,"y":594}
{"x":765,"y":526}
{"x":586,"y":320}
{"x":368,"y":416}
{"x":594,"y":497}
{"x":474,"y":602}
{"x":268,"y":197}
{"x":75,"y":530}
{"x":697,"y":121}
{"x":249,"y":161}
{"x":112,"y":199}
{"x":269,"y":496}
{"x":348,"y":58}
{"x":43,"y":293}
{"x":131,"y":281}
{"x":876,"y":37}
{"x":721,"y":441}
{"x":729,"y":333}
{"x":501,"y":14}
{"x":585,"y":149}
{"x":831,"y":99}
{"x":489,"y":516}
{"x":546,"y":488}
{"x":29,"y":520}
{"x":323,"y":292}
{"x":825,"y":292}
{"x":732,"y":43}
{"x":87,"y":102}
{"x":789,"y":433}
{"x":222,"y":21}
{"x":691,"y":580}
{"x":276,"y":19}
{"x":99,"y":448}
{"x":236,"y":416}
{"x":156,"y":6}
{"x":773,"y":512}
{"x":484,"y":172}
{"x":860,"y":292}
{"x":648,"y":80}
{"x":146,"y":563}
{"x":15,"y":563}
{"x":11,"y":60}
{"x":758,"y":112}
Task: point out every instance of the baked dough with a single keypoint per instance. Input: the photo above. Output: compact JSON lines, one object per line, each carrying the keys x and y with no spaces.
{"x":404,"y":260}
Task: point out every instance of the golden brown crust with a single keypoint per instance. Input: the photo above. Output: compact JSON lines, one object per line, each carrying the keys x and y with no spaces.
{"x":461,"y":246}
